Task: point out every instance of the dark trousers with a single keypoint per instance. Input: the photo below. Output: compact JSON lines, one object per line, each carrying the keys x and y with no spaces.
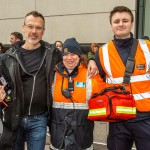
{"x":122,"y":135}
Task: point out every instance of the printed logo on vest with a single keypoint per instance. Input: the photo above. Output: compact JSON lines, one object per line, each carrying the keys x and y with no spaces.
{"x":140,"y":67}
{"x":66,"y":50}
{"x":80,"y":84}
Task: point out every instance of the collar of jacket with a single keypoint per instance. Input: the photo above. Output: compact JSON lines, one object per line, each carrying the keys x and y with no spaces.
{"x":15,"y":48}
{"x":123,"y":43}
{"x":63,"y":71}
{"x":15,"y":52}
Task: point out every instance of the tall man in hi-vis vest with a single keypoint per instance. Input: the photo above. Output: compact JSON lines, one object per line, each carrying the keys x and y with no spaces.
{"x":111,"y":60}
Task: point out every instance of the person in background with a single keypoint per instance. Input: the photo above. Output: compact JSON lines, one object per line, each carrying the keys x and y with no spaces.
{"x":72,"y":88}
{"x":145,"y":37}
{"x":111,"y":60}
{"x":15,"y":37}
{"x":94,"y":47}
{"x":59,"y":45}
{"x":2,"y":48}
{"x":27,"y":67}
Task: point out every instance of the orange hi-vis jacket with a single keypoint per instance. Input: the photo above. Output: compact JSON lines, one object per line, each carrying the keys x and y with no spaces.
{"x":140,"y":79}
{"x":69,"y":123}
{"x":84,"y":87}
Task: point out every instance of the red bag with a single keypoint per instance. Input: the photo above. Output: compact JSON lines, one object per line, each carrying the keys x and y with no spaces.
{"x":112,"y":104}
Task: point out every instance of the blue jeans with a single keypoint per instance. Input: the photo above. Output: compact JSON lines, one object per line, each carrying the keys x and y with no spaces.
{"x":32,"y":130}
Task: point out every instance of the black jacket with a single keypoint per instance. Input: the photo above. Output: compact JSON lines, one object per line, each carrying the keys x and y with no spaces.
{"x":10,"y":64}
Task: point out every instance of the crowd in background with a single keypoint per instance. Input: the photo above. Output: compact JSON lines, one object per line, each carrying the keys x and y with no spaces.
{"x":17,"y":36}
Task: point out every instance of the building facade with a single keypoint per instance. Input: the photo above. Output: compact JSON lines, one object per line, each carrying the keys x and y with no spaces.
{"x":87,"y":20}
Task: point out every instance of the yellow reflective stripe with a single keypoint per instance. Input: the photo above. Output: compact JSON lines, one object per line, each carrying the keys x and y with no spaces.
{"x":95,"y":112}
{"x":126,"y":110}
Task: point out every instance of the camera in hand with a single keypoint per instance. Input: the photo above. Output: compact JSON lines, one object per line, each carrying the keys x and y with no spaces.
{"x":7,"y":88}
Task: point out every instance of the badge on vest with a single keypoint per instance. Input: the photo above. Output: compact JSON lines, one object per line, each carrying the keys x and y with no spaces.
{"x":80,"y":84}
{"x":140,"y":67}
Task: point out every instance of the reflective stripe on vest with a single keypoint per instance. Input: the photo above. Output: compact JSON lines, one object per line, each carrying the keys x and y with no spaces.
{"x":88,"y":87}
{"x":137,"y":78}
{"x":141,"y":95}
{"x":53,"y":84}
{"x":76,"y":105}
{"x":106,"y":59}
{"x":146,"y":53}
{"x":70,"y":105}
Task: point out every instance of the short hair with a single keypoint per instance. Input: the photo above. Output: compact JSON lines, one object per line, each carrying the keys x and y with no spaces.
{"x":94,"y":45}
{"x":2,"y":48}
{"x":121,"y":9}
{"x":146,"y":37}
{"x":35,"y":14}
{"x":17,"y":35}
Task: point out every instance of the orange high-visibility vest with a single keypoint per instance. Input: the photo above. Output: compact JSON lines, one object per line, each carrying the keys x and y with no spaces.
{"x":84,"y":87}
{"x":140,"y":79}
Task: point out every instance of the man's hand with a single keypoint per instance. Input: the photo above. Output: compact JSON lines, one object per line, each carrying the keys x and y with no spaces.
{"x":2,"y":93}
{"x":92,"y":68}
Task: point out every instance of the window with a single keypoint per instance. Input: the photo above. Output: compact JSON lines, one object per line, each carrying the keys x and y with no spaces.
{"x":143,"y":19}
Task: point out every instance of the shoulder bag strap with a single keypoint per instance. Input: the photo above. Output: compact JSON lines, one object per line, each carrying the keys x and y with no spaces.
{"x":130,"y":63}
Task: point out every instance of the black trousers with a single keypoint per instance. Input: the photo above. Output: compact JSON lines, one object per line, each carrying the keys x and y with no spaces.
{"x":122,"y":135}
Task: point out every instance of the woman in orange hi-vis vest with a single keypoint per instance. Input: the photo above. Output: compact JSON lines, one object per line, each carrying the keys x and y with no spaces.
{"x":111,"y":60}
{"x":72,"y":88}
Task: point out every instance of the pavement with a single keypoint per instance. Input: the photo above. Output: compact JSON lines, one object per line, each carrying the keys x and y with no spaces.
{"x":101,"y":146}
{"x":96,"y":146}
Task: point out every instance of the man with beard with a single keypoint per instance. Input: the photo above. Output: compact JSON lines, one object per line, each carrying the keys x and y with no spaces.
{"x":27,"y":68}
{"x":27,"y":65}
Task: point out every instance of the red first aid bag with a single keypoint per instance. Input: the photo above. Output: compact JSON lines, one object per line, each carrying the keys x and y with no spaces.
{"x":112,"y":104}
